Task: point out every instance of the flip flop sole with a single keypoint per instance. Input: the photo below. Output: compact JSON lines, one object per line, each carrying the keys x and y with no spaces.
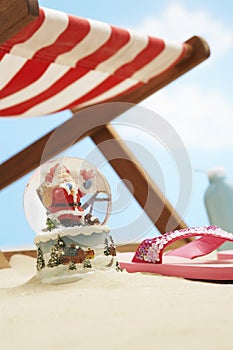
{"x":209,"y":270}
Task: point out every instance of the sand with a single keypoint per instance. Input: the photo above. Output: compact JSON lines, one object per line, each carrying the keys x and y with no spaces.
{"x":112,"y":310}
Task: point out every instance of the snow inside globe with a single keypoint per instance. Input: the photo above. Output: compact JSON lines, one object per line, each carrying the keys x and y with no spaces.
{"x":67,"y":203}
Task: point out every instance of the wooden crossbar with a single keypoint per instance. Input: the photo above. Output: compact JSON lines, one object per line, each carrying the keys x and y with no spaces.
{"x":15,"y":15}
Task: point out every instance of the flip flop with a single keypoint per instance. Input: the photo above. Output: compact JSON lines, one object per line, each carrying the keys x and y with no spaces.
{"x":149,"y":255}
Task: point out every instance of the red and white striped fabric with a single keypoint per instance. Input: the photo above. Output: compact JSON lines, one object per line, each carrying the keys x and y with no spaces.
{"x":60,"y":61}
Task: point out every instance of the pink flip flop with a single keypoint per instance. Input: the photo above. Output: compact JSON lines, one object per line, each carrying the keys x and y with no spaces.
{"x":149,"y":256}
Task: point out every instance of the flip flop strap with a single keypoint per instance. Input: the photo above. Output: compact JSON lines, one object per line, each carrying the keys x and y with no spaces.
{"x":211,"y":237}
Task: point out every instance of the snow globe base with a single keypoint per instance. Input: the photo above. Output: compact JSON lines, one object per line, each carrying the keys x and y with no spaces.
{"x":71,"y":256}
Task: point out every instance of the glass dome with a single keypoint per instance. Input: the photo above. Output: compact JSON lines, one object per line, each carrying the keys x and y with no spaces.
{"x":66,"y":192}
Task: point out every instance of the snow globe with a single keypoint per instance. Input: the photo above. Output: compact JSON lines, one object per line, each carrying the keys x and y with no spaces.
{"x":67,"y":203}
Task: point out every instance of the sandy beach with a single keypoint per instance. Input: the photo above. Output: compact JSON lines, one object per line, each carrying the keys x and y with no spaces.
{"x":112,"y":310}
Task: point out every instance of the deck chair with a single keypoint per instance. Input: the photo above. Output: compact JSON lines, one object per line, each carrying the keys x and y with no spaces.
{"x":51,"y":61}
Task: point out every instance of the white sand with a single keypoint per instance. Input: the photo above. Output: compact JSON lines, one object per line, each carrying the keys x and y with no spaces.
{"x":111,"y":310}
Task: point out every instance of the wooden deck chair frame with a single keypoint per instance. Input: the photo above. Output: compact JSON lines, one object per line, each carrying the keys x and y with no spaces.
{"x":126,"y":166}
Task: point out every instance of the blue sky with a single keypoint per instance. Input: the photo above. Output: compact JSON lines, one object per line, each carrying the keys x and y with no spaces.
{"x":198,"y":106}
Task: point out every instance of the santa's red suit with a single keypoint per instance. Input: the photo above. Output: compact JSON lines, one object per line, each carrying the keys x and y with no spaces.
{"x":62,"y":201}
{"x":65,"y":199}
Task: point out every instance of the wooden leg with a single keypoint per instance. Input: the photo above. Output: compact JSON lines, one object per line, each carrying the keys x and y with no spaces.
{"x":3,"y":261}
{"x":149,"y":196}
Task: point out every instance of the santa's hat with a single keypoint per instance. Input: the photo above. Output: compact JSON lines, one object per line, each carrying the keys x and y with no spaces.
{"x":50,"y":175}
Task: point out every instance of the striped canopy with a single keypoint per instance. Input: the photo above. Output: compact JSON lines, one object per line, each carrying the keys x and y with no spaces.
{"x":60,"y":61}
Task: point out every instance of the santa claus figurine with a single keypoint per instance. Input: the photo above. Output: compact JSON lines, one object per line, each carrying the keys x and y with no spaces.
{"x":61,"y":196}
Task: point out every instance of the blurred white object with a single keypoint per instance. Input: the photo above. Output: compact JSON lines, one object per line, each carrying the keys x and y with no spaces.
{"x":219,"y":201}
